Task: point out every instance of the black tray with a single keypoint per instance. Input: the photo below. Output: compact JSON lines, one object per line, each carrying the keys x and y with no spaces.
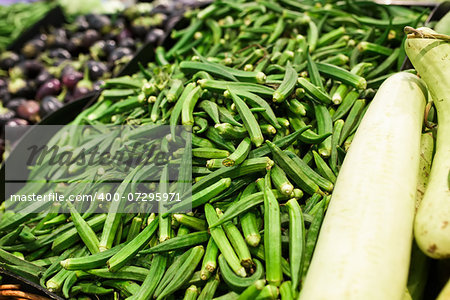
{"x":27,"y":286}
{"x":54,"y":17}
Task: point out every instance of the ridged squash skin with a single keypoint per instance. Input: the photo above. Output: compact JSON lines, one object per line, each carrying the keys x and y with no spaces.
{"x":364,"y":245}
{"x":431,"y":59}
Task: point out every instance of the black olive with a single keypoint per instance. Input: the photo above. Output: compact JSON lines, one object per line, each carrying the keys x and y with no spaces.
{"x":127,"y":43}
{"x":74,"y":45}
{"x":81,"y":23}
{"x":119,"y":53}
{"x":43,"y":77}
{"x":6,"y":115}
{"x":68,"y":69}
{"x":43,"y":37}
{"x":31,"y":68}
{"x":48,"y":105}
{"x":33,"y":48}
{"x":57,"y":39}
{"x":79,"y":92}
{"x":124,"y":34}
{"x":89,"y":38}
{"x":5,"y":96}
{"x":98,"y":22}
{"x":51,"y":87}
{"x":96,"y":69}
{"x":110,"y":45}
{"x":139,"y":30}
{"x":3,"y":83}
{"x":14,"y":103}
{"x":59,"y":53}
{"x":70,"y":79}
{"x":8,"y":60}
{"x":154,"y":35}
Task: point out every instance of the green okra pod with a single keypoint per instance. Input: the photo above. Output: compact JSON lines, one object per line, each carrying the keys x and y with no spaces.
{"x":323,"y":167}
{"x":185,"y":271}
{"x":292,"y":170}
{"x":211,"y":109}
{"x":179,"y":242}
{"x":210,"y":288}
{"x":287,"y":86}
{"x":191,"y":222}
{"x":237,"y":241}
{"x":296,"y":242}
{"x":253,"y":290}
{"x":272,"y":235}
{"x":134,"y":246}
{"x":314,"y":92}
{"x":241,"y":153}
{"x":222,"y":242}
{"x":249,"y":120}
{"x":280,"y":181}
{"x":209,"y":263}
{"x":338,"y":124}
{"x":85,"y":231}
{"x":352,"y":119}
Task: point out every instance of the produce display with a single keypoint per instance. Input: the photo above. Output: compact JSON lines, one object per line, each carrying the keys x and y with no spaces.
{"x":310,"y":157}
{"x":60,"y":65}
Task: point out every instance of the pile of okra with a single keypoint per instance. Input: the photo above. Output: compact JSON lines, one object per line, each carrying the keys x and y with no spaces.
{"x":274,"y":92}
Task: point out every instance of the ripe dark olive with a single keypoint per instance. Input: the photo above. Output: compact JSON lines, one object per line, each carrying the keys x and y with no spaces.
{"x":8,"y":60}
{"x":6,"y":115}
{"x":127,"y":43}
{"x":96,"y":69}
{"x":70,"y":79}
{"x":16,"y":122}
{"x":68,"y":69}
{"x":48,"y":105}
{"x":154,"y":35}
{"x":43,"y":77}
{"x":110,"y":45}
{"x":119,"y":53}
{"x":31,"y":68}
{"x":139,"y":30}
{"x":51,"y":87}
{"x":124,"y":34}
{"x":81,"y":23}
{"x":98,"y":22}
{"x":14,"y":103}
{"x":59,"y":53}
{"x":80,"y":91}
{"x":5,"y":96}
{"x":75,"y":42}
{"x":57,"y":39}
{"x":33,"y":48}
{"x":3,"y":83}
{"x":89,"y":38}
{"x":29,"y":110}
